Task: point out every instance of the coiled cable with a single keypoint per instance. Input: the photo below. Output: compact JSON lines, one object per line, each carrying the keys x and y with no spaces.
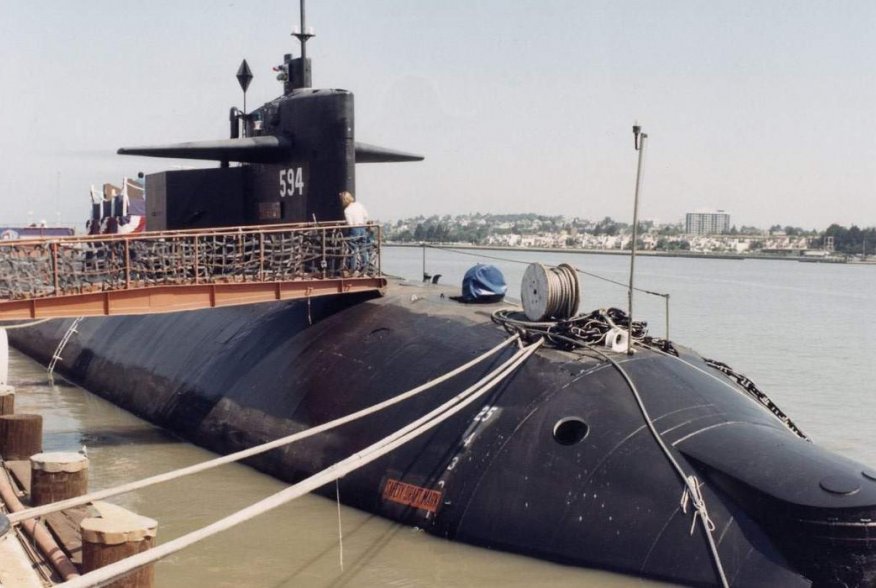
{"x":550,"y":292}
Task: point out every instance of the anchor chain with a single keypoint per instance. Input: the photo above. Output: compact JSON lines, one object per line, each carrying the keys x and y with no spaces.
{"x":757,"y":394}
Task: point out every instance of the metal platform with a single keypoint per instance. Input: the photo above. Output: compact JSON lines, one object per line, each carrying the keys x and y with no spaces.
{"x":146,"y":273}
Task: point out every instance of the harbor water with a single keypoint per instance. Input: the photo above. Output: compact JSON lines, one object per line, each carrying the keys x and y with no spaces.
{"x":802,"y":332}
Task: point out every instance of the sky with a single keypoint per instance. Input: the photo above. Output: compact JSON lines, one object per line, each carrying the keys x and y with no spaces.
{"x":764,"y":109}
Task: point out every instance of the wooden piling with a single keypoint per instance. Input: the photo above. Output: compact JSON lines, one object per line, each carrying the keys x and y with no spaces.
{"x":21,"y":435}
{"x":57,"y":476}
{"x":7,"y":399}
{"x":115,"y":535}
{"x":38,"y":533}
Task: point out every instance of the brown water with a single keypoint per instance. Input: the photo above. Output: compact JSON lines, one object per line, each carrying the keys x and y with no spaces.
{"x":295,"y":545}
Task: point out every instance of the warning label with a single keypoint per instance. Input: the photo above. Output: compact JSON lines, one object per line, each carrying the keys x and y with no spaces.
{"x":410,"y":495}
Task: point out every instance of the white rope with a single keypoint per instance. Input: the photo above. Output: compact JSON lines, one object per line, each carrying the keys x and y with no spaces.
{"x":107,"y":574}
{"x":693,"y":494}
{"x":216,"y":462}
{"x":23,"y":325}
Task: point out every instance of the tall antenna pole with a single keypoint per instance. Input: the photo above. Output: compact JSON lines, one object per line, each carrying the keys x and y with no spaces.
{"x":639,"y":140}
{"x":303,"y":35}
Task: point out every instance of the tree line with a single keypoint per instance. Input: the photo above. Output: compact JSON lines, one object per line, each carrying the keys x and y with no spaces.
{"x":851,"y":241}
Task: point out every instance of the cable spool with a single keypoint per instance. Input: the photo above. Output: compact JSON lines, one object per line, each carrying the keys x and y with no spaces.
{"x":550,"y":293}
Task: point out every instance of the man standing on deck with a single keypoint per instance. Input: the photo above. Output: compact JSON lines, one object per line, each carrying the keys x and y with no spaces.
{"x":355,"y":214}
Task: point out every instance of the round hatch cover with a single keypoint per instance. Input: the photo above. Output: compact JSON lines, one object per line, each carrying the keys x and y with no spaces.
{"x":840,"y":484}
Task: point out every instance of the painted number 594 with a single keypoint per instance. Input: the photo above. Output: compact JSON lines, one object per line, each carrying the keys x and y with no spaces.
{"x":291,"y":182}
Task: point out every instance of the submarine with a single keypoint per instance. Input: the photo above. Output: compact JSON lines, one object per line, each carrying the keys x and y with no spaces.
{"x":658,"y":463}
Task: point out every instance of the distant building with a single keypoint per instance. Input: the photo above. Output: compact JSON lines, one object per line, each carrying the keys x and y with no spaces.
{"x":707,"y":223}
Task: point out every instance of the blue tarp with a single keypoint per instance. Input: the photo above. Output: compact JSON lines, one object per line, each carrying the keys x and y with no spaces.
{"x":483,"y":283}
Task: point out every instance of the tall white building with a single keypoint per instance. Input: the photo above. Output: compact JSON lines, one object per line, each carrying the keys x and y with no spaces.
{"x":707,"y":223}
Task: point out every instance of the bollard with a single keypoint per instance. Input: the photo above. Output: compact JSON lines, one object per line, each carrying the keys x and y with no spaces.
{"x":115,"y":535}
{"x":21,"y":435}
{"x":57,"y":476}
{"x":7,"y":399}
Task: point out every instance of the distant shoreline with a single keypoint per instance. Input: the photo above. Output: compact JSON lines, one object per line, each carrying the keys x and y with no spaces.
{"x":649,"y":253}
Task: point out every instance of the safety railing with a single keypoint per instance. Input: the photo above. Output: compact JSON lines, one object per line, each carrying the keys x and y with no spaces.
{"x":58,"y":267}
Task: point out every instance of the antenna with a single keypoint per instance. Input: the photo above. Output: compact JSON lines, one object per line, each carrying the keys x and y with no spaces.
{"x":639,"y":140}
{"x":303,"y":34}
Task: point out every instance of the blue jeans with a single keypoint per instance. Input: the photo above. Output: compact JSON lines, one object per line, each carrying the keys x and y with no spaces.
{"x":360,"y":249}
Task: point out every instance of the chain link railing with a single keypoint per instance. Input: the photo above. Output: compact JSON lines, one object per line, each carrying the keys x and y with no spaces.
{"x":41,"y":268}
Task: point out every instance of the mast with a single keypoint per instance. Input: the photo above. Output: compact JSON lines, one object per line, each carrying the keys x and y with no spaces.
{"x":303,"y":34}
{"x":639,"y":139}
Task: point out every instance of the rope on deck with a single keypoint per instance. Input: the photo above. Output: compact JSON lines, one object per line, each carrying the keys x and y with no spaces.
{"x":233,"y":457}
{"x":112,"y":572}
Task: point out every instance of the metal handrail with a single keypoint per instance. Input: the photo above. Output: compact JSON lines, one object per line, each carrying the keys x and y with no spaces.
{"x":181,"y":232}
{"x":40,"y":268}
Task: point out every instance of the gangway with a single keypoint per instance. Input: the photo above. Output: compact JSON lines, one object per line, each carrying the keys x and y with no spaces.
{"x":157,"y":272}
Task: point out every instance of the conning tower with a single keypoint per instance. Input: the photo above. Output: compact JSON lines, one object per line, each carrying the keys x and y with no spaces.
{"x":296,"y":153}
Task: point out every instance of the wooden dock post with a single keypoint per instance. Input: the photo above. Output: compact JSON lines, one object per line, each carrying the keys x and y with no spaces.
{"x":21,"y":435}
{"x":115,"y":535}
{"x":57,"y":476}
{"x":7,"y":399}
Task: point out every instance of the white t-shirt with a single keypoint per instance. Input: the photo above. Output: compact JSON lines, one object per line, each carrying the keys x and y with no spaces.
{"x":356,"y":214}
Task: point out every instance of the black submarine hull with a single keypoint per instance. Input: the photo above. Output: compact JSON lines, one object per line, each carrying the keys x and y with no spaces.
{"x":500,"y":474}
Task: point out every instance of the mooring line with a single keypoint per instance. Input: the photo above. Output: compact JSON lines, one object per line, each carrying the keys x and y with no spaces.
{"x":3,"y":325}
{"x":103,"y":576}
{"x":237,"y":456}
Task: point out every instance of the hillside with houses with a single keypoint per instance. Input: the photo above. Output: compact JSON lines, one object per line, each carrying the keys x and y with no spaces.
{"x":539,"y":231}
